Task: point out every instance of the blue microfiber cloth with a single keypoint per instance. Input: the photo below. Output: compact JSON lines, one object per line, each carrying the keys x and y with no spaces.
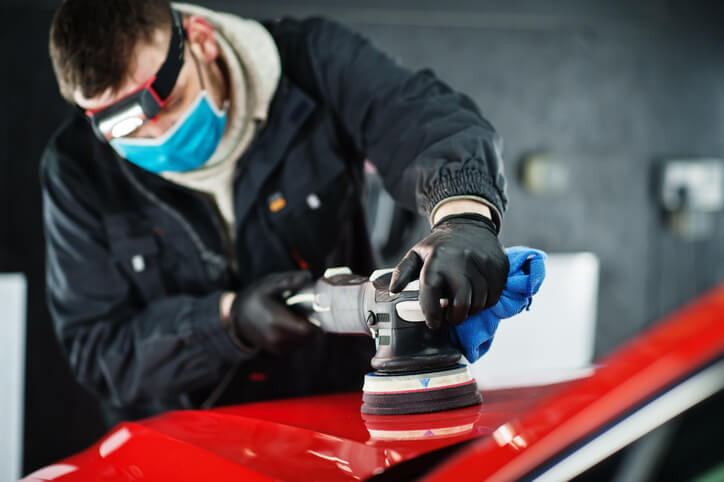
{"x":527,"y":270}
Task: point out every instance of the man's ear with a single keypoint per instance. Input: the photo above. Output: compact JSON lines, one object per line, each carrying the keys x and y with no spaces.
{"x":200,"y":37}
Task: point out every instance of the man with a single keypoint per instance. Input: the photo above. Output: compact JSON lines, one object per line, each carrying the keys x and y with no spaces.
{"x":213,"y":166}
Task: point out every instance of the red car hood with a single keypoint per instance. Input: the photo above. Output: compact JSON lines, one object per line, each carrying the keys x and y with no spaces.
{"x":320,"y":438}
{"x":327,"y":438}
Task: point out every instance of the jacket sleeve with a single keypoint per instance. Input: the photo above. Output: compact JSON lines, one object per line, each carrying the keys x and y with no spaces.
{"x":123,"y":351}
{"x":427,"y":141}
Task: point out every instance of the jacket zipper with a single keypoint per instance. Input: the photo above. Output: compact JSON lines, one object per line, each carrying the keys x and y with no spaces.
{"x":214,"y":264}
{"x":226,"y":238}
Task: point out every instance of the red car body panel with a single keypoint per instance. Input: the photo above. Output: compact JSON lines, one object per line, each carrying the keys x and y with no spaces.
{"x":642,"y":368}
{"x":326,"y":437}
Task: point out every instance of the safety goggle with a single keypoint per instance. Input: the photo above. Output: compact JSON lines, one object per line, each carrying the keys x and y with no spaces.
{"x":132,"y":111}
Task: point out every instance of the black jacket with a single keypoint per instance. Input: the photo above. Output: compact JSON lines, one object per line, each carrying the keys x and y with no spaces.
{"x":136,"y":264}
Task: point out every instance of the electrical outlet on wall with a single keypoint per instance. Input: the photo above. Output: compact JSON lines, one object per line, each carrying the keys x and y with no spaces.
{"x":544,"y":175}
{"x":692,"y":193}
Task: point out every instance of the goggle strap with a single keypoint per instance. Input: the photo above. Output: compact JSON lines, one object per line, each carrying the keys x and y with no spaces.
{"x":198,"y":70}
{"x":168,"y":73}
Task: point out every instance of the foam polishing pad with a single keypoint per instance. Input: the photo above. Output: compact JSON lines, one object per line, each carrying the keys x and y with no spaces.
{"x":419,"y":392}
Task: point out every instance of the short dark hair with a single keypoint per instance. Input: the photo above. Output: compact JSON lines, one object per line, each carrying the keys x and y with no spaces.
{"x":92,"y":42}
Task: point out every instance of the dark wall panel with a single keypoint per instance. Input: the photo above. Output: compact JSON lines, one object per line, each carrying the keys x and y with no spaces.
{"x":61,"y":418}
{"x":610,"y":88}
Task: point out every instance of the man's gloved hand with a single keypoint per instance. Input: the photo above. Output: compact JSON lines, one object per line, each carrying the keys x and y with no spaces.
{"x":461,"y":260}
{"x":261,"y":319}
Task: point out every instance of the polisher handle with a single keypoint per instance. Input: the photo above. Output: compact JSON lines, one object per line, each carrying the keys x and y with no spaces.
{"x":334,"y":302}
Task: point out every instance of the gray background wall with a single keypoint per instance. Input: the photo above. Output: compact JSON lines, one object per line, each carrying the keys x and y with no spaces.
{"x":609,"y":87}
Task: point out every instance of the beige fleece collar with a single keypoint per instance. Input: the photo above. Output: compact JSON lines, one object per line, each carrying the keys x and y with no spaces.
{"x":254,"y":70}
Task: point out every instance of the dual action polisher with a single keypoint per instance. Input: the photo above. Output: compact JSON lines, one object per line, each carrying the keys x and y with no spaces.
{"x":416,"y":369}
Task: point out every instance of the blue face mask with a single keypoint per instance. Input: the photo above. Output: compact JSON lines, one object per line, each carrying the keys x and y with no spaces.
{"x":187,"y":145}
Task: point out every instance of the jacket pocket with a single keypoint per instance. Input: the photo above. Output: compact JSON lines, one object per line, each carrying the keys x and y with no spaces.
{"x":136,"y":251}
{"x":307,"y":211}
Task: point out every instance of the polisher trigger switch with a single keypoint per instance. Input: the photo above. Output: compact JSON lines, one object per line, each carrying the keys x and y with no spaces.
{"x":410,"y":311}
{"x":331,"y":272}
{"x":412,"y":286}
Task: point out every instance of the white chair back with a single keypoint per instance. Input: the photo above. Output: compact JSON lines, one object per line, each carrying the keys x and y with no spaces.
{"x":12,"y":374}
{"x":555,"y":339}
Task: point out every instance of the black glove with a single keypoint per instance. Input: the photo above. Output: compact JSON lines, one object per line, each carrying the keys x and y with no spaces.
{"x":261,"y":319}
{"x":461,"y":260}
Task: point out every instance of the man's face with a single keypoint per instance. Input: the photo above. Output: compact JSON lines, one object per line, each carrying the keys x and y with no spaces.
{"x":148,"y":58}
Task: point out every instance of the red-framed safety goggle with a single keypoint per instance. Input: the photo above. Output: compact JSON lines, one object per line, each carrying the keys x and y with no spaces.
{"x":135,"y":109}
